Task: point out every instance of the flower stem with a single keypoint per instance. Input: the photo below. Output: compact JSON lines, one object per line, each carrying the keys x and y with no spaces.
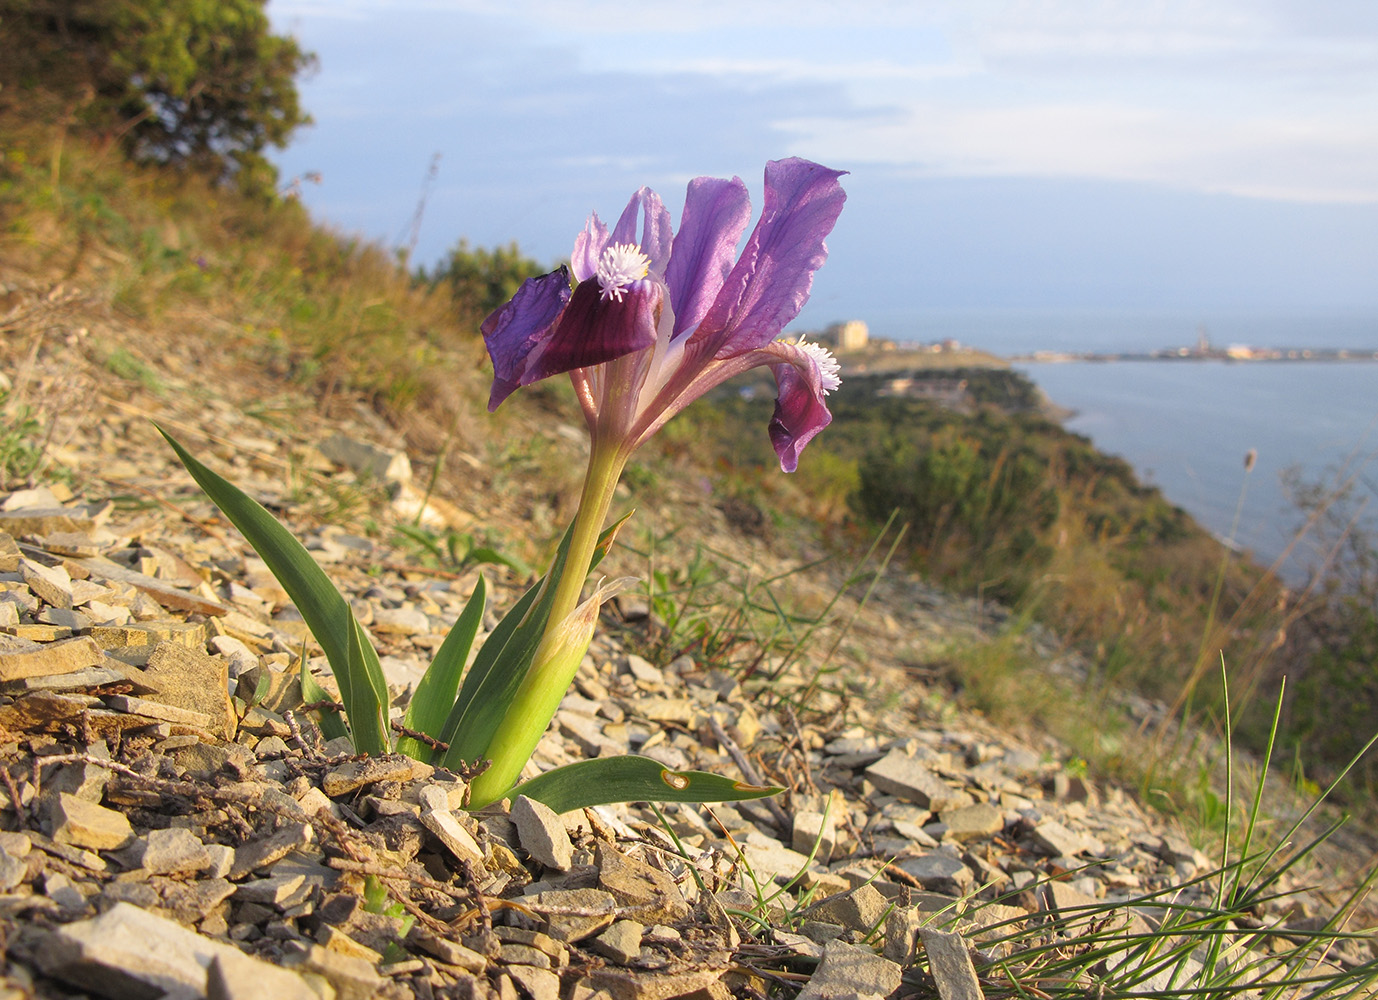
{"x":600,"y":482}
{"x":565,"y":640}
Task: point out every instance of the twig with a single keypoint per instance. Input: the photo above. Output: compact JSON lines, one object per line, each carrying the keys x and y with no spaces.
{"x":748,"y":770}
{"x":382,"y":871}
{"x":466,"y":872}
{"x":14,"y":798}
{"x":294,"y":727}
{"x":420,"y":737}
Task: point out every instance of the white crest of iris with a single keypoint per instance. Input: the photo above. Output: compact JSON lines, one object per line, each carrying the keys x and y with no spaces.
{"x":619,"y":265}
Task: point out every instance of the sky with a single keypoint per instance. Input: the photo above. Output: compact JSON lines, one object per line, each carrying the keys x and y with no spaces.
{"x":1185,"y":157}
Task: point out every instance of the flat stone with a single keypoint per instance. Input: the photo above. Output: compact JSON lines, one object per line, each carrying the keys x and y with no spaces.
{"x":450,"y":832}
{"x":902,"y":933}
{"x":621,"y":942}
{"x":538,"y":984}
{"x":542,"y":833}
{"x":453,"y":953}
{"x":973,"y":822}
{"x":43,"y":521}
{"x":940,"y":873}
{"x":270,"y":891}
{"x":357,"y":774}
{"x":156,"y":710}
{"x":573,"y":914}
{"x":401,"y":621}
{"x":910,"y":779}
{"x":847,"y":970}
{"x":650,"y":892}
{"x":858,"y":910}
{"x":20,"y":659}
{"x":192,"y":901}
{"x":85,"y":824}
{"x":367,"y":459}
{"x":813,"y":833}
{"x":624,"y":984}
{"x":9,"y":553}
{"x":12,"y":871}
{"x":89,"y":677}
{"x":770,"y":859}
{"x":1059,"y":841}
{"x":949,"y":963}
{"x":102,"y":569}
{"x":205,"y":759}
{"x":189,"y":634}
{"x":190,"y":679}
{"x":131,"y":952}
{"x":353,"y":978}
{"x":260,"y":853}
{"x":164,"y":852}
{"x":233,"y":975}
{"x":52,"y":583}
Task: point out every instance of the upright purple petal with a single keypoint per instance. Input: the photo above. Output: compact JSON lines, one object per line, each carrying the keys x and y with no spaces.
{"x":770,"y":282}
{"x":716,"y":212}
{"x":593,"y":330}
{"x":655,"y":230}
{"x":519,"y":329}
{"x":588,"y":247}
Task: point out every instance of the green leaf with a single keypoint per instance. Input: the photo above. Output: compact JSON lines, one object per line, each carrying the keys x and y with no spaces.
{"x":435,"y":694}
{"x":632,"y":779}
{"x":326,"y":612}
{"x":502,"y":662}
{"x":331,"y":724}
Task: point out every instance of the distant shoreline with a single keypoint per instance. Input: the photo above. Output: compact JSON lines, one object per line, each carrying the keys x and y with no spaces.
{"x":1241,"y":354}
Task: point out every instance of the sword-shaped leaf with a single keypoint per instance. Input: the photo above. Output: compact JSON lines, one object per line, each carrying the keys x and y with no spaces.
{"x":435,"y":694}
{"x":632,"y":778}
{"x":326,"y":612}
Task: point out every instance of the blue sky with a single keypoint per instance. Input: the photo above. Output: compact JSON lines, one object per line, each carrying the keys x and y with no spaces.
{"x":1207,"y":157}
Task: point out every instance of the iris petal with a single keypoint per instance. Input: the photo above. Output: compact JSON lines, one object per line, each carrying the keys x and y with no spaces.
{"x":655,"y":230}
{"x":519,"y":329}
{"x":716,"y":212}
{"x":800,"y":412}
{"x":771,"y":280}
{"x":588,"y":247}
{"x":593,"y":330}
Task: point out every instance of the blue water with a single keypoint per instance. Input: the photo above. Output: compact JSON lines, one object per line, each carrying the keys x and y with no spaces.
{"x":1008,"y":332}
{"x":1186,"y":426}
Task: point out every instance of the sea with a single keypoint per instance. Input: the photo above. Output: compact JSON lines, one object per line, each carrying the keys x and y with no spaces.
{"x":1186,"y":426}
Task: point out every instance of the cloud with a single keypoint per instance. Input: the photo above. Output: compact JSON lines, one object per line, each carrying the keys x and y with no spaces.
{"x":1268,"y":156}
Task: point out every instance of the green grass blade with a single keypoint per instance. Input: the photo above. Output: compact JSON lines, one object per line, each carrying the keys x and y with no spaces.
{"x":325,"y":611}
{"x":632,"y":778}
{"x":435,"y":694}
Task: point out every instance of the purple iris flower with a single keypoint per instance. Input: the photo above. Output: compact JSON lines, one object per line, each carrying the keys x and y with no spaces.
{"x":654,"y":323}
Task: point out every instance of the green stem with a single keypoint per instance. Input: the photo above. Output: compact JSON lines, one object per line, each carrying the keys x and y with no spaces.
{"x":600,"y":482}
{"x":562,"y":646}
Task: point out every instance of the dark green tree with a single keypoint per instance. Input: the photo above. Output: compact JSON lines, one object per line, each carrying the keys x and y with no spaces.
{"x":200,"y":83}
{"x":483,"y":279}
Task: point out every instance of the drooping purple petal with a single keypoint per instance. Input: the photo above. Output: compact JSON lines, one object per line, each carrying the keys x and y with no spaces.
{"x":592,"y":330}
{"x":588,"y":247}
{"x":519,"y":329}
{"x":771,"y":280}
{"x":800,"y":412}
{"x":716,"y":212}
{"x":655,"y":230}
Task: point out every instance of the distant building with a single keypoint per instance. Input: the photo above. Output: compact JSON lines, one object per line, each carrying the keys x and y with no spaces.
{"x":849,"y":336}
